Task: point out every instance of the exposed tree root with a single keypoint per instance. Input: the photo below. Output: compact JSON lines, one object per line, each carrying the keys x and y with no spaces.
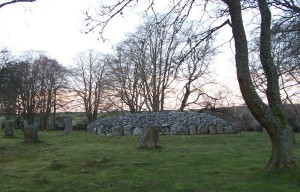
{"x":280,"y":165}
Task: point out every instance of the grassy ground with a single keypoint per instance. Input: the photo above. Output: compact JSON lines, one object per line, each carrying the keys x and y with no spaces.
{"x":80,"y":161}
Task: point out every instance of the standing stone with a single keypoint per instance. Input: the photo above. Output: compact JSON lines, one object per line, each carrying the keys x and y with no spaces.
{"x":68,"y":125}
{"x":193,"y":130}
{"x":137,"y":131}
{"x":228,"y":129}
{"x":164,"y":129}
{"x":60,"y":123}
{"x":149,"y":138}
{"x":202,"y":129}
{"x":31,"y":133}
{"x":50,"y":124}
{"x":99,"y":130}
{"x":180,"y":129}
{"x":128,"y":130}
{"x":212,"y":129}
{"x":8,"y":126}
{"x":175,"y":129}
{"x":220,"y":128}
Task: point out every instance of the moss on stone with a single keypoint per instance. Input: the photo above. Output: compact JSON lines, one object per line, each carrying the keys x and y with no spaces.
{"x":281,"y":115}
{"x":149,"y":138}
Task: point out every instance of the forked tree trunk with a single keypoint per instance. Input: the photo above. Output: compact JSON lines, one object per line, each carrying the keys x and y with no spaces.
{"x":269,"y":116}
{"x":282,"y":153}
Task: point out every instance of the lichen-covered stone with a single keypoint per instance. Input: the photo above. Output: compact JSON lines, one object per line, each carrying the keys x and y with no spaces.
{"x":149,"y":138}
{"x":137,"y":131}
{"x":8,"y":126}
{"x":117,"y":130}
{"x":128,"y":130}
{"x":193,"y":130}
{"x":31,"y":133}
{"x":68,"y":125}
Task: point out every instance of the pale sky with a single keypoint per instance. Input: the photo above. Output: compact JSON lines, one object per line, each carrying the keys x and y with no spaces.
{"x":55,"y":26}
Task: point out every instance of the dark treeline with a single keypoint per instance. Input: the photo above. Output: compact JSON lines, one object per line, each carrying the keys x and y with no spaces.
{"x":32,"y":84}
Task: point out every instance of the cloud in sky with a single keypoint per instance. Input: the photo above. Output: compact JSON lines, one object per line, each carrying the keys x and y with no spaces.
{"x":54,"y":26}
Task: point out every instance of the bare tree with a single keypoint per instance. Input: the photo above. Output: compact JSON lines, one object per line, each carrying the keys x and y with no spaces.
{"x":89,"y":81}
{"x":159,"y":66}
{"x":126,"y":78}
{"x":52,"y":79}
{"x":28,"y":90}
{"x":285,"y":33}
{"x":135,"y":64}
{"x":31,"y":87}
{"x":8,"y":93}
{"x":5,"y":57}
{"x":5,"y":60}
{"x":285,"y":50}
{"x":196,"y":74}
{"x":147,"y":63}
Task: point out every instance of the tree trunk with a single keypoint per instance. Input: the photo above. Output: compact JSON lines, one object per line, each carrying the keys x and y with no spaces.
{"x":281,"y":155}
{"x":186,"y":96}
{"x":270,"y":117}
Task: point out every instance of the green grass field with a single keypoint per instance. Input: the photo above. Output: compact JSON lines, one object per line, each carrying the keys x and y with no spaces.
{"x":80,"y":161}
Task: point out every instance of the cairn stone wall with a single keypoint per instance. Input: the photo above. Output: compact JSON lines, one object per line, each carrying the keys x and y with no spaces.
{"x":168,"y":123}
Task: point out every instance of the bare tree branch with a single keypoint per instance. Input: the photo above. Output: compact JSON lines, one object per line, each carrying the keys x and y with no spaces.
{"x":207,"y":36}
{"x":15,"y":1}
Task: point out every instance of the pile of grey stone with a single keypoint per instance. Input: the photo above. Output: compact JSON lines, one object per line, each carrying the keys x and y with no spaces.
{"x":167,"y":123}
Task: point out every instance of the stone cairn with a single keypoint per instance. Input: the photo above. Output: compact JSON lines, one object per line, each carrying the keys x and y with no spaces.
{"x":167,"y":123}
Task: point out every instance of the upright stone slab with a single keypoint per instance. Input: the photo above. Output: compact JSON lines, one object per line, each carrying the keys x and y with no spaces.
{"x":50,"y":124}
{"x":137,"y":131}
{"x":149,"y":138}
{"x":8,"y":126}
{"x":117,"y":130}
{"x":202,"y":129}
{"x":31,"y":133}
{"x":127,"y":130}
{"x":220,"y":129}
{"x":59,"y":123}
{"x":212,"y":129}
{"x":193,"y":130}
{"x":68,"y":125}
